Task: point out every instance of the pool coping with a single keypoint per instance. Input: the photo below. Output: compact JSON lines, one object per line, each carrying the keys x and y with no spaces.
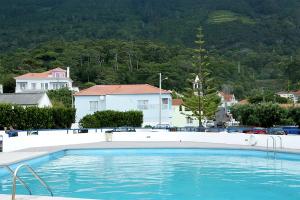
{"x":32,"y":153}
{"x":33,"y":197}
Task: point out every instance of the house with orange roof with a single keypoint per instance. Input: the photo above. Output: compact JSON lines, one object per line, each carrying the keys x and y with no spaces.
{"x":41,"y":82}
{"x":227,"y":99}
{"x":143,"y":97}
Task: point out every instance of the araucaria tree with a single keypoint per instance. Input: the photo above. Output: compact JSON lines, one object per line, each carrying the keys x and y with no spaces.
{"x":203,"y":100}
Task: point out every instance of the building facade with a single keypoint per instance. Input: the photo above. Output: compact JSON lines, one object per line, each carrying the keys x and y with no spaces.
{"x":141,"y":97}
{"x":294,"y":96}
{"x":40,"y":100}
{"x":41,"y":82}
{"x":181,"y":116}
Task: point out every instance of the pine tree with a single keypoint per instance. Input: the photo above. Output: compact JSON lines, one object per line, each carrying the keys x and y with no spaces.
{"x":203,"y":100}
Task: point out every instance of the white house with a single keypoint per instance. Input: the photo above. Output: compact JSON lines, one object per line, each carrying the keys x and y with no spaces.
{"x":227,"y":100}
{"x":40,"y":100}
{"x":181,"y":116}
{"x":40,"y":82}
{"x":293,"y":95}
{"x":141,"y":97}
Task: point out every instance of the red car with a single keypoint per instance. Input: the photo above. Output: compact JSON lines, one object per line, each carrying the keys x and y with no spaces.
{"x":257,"y":130}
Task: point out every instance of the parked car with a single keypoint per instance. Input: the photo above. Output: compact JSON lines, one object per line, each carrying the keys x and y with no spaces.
{"x":257,"y":130}
{"x":239,"y":129}
{"x":291,"y":129}
{"x":191,"y":129}
{"x":276,"y":131}
{"x":162,"y":126}
{"x":121,"y":129}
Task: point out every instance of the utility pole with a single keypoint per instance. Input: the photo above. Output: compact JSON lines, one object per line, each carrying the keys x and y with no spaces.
{"x":159,"y":98}
{"x":160,"y":80}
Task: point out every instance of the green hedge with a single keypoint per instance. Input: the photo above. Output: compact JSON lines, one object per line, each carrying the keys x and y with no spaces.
{"x":35,"y":118}
{"x":111,"y":118}
{"x":265,"y":115}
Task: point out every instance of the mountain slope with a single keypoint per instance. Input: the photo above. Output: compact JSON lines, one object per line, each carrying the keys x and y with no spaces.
{"x":250,"y":22}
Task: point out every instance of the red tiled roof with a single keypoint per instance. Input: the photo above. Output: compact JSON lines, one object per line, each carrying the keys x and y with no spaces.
{"x":120,"y":89}
{"x":42,"y":74}
{"x":297,"y":93}
{"x":227,"y":97}
{"x":177,"y":102}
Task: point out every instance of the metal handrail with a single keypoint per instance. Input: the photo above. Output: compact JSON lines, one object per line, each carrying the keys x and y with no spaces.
{"x":274,"y":145}
{"x":280,"y":139}
{"x":13,"y":197}
{"x":19,"y":179}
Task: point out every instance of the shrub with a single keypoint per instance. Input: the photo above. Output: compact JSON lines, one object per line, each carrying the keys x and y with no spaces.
{"x":294,"y":113}
{"x":112,"y":118}
{"x":35,"y":118}
{"x":265,"y":115}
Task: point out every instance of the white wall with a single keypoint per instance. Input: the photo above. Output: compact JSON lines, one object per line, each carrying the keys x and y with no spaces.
{"x":179,"y":117}
{"x":126,"y":103}
{"x":44,"y":102}
{"x":38,"y":84}
{"x":82,"y":106}
{"x":60,"y":137}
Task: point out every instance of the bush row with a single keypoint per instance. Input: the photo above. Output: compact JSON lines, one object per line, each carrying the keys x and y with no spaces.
{"x":35,"y":118}
{"x":265,"y":115}
{"x":111,"y":118}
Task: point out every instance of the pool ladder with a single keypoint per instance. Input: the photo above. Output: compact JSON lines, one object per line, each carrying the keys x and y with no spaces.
{"x":274,"y":144}
{"x":16,"y":177}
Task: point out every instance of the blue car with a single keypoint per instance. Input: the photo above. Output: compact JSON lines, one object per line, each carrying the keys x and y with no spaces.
{"x":294,"y":130}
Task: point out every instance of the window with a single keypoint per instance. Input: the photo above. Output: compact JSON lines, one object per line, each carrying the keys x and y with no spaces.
{"x":180,"y":108}
{"x":93,"y":106}
{"x":143,"y":104}
{"x":33,"y":86}
{"x":186,"y":109}
{"x":165,"y":103}
{"x":46,"y":86}
{"x":189,"y":120}
{"x":23,"y":86}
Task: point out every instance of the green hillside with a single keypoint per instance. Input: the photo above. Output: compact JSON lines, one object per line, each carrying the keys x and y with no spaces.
{"x":252,"y":43}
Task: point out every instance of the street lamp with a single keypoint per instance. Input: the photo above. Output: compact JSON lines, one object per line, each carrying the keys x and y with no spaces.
{"x":160,"y":80}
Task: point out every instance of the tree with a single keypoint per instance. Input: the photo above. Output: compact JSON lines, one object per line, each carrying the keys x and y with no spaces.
{"x":61,"y":97}
{"x":204,"y":101}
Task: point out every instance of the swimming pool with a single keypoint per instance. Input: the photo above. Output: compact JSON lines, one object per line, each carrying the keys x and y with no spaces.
{"x":190,"y":174}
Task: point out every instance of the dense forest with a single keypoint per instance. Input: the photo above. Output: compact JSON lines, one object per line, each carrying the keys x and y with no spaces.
{"x":253,"y":44}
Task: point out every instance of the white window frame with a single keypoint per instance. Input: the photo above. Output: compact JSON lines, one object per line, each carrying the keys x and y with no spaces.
{"x":33,"y":86}
{"x":165,"y":103}
{"x":23,"y":85}
{"x":143,"y":104}
{"x":94,"y":106}
{"x":189,"y":120}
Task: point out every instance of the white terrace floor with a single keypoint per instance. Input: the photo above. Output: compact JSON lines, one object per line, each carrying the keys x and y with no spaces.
{"x":13,"y":157}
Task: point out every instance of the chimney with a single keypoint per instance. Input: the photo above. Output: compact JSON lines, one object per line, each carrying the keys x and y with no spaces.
{"x":1,"y":89}
{"x":68,"y":72}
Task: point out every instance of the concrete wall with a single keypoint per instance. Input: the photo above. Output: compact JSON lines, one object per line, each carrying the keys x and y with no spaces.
{"x":64,"y":137}
{"x":126,"y":103}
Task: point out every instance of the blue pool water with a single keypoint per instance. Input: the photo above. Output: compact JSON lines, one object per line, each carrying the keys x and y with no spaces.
{"x":165,"y":174}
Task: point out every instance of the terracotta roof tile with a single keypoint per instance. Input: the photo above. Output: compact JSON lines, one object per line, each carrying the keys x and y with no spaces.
{"x":177,"y":102}
{"x":227,"y":97}
{"x":120,"y":89}
{"x":42,"y":74}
